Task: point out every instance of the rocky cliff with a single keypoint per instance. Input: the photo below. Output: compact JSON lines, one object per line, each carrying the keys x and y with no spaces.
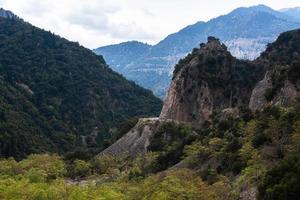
{"x":211,"y":79}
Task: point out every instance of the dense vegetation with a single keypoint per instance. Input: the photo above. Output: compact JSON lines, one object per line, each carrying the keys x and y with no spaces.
{"x":283,"y":181}
{"x":54,"y":91}
{"x":226,"y":159}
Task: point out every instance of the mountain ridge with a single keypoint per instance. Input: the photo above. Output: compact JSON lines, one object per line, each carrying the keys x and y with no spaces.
{"x":244,"y":38}
{"x":54,"y":92}
{"x":293,"y":12}
{"x":210,"y":83}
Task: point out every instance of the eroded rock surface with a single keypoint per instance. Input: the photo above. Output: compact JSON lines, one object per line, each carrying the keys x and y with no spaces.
{"x":136,"y":140}
{"x":258,"y":99}
{"x":208,"y":79}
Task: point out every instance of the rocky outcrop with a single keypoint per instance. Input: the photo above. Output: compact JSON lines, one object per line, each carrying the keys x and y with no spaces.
{"x":211,"y":79}
{"x":208,"y":79}
{"x":136,"y":141}
{"x":285,"y":96}
{"x":175,"y":107}
{"x":281,"y":84}
{"x":258,"y":99}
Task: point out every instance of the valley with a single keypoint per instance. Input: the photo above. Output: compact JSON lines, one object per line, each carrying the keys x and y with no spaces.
{"x":228,"y":129}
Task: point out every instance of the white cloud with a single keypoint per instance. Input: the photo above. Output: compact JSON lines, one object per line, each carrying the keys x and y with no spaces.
{"x":100,"y":22}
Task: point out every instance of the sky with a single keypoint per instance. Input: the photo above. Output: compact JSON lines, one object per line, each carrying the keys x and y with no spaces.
{"x":95,"y":23}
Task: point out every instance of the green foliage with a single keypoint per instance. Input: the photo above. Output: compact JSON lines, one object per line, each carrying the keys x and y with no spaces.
{"x":209,"y":158}
{"x":79,"y":168}
{"x":103,"y":164}
{"x":32,"y":184}
{"x":169,"y":142}
{"x":53,"y":91}
{"x":282,"y":182}
{"x":35,"y":167}
{"x":259,"y":140}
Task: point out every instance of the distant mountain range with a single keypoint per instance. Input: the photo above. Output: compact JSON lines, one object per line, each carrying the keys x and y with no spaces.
{"x":245,"y":31}
{"x":292,"y":12}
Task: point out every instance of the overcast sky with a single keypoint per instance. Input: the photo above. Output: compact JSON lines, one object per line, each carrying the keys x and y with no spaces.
{"x":95,"y":23}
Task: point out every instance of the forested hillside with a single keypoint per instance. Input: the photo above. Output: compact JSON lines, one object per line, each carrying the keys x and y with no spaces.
{"x":54,"y":92}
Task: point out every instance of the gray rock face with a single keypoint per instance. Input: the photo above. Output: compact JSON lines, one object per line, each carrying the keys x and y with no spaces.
{"x":287,"y":95}
{"x":249,"y":193}
{"x":195,"y":109}
{"x":284,"y":97}
{"x":136,"y":141}
{"x":258,"y":100}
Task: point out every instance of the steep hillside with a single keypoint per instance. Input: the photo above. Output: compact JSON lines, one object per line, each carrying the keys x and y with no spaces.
{"x":245,"y":31}
{"x":210,"y":79}
{"x":280,"y":85}
{"x":55,"y":91}
{"x":209,"y":127}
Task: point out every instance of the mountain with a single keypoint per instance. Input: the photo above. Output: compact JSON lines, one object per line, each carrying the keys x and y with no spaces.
{"x":235,"y":124}
{"x":115,"y":53}
{"x":245,"y":31}
{"x":238,"y":152}
{"x":292,"y":12}
{"x":57,"y":95}
{"x":210,"y":80}
{"x":210,"y":83}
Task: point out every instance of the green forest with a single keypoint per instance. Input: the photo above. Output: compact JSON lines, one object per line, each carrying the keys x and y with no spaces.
{"x":54,"y":92}
{"x":222,"y":161}
{"x":73,"y":129}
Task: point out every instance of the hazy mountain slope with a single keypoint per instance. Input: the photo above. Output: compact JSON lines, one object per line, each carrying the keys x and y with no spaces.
{"x":119,"y":54}
{"x":54,"y":90}
{"x":292,"y":12}
{"x":246,"y":32}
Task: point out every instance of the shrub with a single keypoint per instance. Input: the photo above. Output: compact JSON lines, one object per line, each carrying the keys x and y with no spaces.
{"x":259,"y":140}
{"x":79,"y":169}
{"x":282,"y":182}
